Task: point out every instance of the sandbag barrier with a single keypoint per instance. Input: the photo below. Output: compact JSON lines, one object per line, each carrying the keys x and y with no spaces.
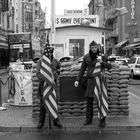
{"x":35,"y":98}
{"x":118,"y":96}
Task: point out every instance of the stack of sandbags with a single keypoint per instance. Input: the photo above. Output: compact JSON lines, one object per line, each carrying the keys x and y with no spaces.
{"x":72,"y":108}
{"x":36,"y":101}
{"x":65,"y":68}
{"x":124,"y":95}
{"x":117,"y":83}
{"x":75,"y":68}
{"x":71,"y":68}
{"x":113,"y":92}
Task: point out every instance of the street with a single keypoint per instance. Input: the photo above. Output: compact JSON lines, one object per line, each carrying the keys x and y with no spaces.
{"x":71,"y":136}
{"x":134,"y":87}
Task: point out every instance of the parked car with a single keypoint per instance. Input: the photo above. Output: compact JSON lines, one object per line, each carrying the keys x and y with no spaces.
{"x":134,"y":65}
{"x":120,"y":62}
{"x":114,"y":56}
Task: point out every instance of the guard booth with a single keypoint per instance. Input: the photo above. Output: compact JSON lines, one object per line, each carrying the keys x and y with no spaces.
{"x":20,"y":63}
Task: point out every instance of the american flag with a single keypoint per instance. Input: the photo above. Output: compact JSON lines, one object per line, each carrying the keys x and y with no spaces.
{"x":100,"y":91}
{"x":49,"y":90}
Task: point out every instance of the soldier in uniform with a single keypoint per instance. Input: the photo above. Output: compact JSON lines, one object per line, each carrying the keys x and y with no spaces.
{"x":55,"y":69}
{"x":94,"y":68}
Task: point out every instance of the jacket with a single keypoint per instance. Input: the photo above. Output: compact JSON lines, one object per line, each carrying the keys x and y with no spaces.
{"x":89,"y":65}
{"x":55,"y":68}
{"x":55,"y":65}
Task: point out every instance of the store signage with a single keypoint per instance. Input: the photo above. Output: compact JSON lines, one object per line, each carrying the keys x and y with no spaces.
{"x":17,"y":38}
{"x":18,"y":46}
{"x":76,"y":12}
{"x":132,"y":9}
{"x":77,"y":20}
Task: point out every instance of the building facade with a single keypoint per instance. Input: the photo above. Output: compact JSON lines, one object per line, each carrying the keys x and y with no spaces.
{"x":6,"y":27}
{"x":116,"y":16}
{"x":30,"y":18}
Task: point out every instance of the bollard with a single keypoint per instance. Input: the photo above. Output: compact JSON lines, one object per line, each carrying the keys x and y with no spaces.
{"x":1,"y":107}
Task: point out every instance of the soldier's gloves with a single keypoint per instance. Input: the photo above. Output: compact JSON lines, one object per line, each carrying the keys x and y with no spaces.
{"x":76,"y":84}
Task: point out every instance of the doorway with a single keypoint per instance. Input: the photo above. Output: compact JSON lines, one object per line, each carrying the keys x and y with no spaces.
{"x":76,"y":46}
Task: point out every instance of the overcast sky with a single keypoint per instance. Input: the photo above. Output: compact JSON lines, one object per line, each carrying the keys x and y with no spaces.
{"x":60,"y":5}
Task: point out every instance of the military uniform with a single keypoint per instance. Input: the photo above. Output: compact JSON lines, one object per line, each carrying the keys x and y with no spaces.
{"x":89,"y":66}
{"x":55,"y":69}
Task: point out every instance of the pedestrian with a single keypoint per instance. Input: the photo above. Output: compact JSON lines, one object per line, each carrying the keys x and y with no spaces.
{"x":96,"y":85}
{"x":54,"y":66}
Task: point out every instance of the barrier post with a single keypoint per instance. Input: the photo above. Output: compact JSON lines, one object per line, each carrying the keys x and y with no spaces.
{"x":1,"y":107}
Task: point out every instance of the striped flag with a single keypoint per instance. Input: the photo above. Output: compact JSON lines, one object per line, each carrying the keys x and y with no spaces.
{"x":100,"y":91}
{"x":49,"y":90}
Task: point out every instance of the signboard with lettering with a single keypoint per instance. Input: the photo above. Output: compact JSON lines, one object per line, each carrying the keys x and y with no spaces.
{"x":132,"y":9}
{"x":77,"y":20}
{"x":18,"y":46}
{"x":76,"y":12}
{"x":16,"y":38}
{"x":23,"y":88}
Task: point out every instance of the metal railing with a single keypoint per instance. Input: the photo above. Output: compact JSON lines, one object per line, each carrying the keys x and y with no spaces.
{"x":2,"y":83}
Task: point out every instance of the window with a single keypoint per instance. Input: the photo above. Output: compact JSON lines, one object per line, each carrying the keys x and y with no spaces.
{"x":15,"y":54}
{"x":76,"y":47}
{"x":138,"y":62}
{"x":132,"y":61}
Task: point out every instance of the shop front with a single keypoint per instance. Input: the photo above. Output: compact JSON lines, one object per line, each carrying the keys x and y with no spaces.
{"x":4,"y":60}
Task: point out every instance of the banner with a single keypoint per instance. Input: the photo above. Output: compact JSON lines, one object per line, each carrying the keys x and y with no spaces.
{"x":23,"y":88}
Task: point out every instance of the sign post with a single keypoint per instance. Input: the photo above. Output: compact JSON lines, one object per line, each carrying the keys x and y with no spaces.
{"x":52,"y":22}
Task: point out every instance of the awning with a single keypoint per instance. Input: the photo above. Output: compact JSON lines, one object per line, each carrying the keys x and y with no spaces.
{"x":131,"y":46}
{"x":3,"y":46}
{"x":121,"y":43}
{"x":137,"y":46}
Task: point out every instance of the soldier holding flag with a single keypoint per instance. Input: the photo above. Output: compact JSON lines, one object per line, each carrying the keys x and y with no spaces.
{"x":96,"y":85}
{"x":47,"y":72}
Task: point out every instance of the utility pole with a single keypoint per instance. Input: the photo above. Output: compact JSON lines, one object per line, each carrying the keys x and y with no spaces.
{"x":52,"y":22}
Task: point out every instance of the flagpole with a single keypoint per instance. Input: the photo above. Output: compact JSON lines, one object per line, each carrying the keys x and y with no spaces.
{"x":52,"y":22}
{"x":52,"y":36}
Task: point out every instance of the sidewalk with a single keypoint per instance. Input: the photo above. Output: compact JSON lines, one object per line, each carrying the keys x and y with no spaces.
{"x":19,"y":119}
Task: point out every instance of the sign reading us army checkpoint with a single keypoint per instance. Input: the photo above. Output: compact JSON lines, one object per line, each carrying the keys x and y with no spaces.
{"x":77,"y":20}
